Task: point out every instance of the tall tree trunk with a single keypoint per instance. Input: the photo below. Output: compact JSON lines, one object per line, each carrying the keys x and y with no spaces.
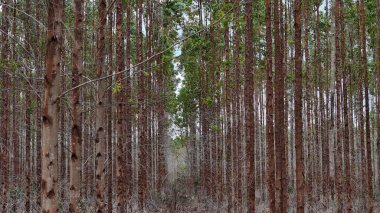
{"x":76,"y":128}
{"x":338,"y":63}
{"x":50,"y":115}
{"x":378,"y":89}
{"x":281,"y":183}
{"x":128,"y":107}
{"x":269,"y":108}
{"x":16,"y":112}
{"x":248,"y":103}
{"x":142,"y":143}
{"x":236,"y":108}
{"x":62,"y":177}
{"x":111,"y":164}
{"x":5,"y":105}
{"x":367,"y":106}
{"x":38,"y":98}
{"x":298,"y":108}
{"x":100,"y":117}
{"x":27,"y":117}
{"x":346,"y":142}
{"x":326,"y":144}
{"x":360,"y":111}
{"x":228,"y":146}
{"x":309,"y":177}
{"x":120,"y":112}
{"x":161,"y":113}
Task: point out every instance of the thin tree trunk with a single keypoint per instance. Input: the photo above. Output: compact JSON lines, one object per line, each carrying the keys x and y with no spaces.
{"x":378,"y":90}
{"x":338,"y":63}
{"x":5,"y":106}
{"x":100,"y":117}
{"x":128,"y":127}
{"x":361,"y":118}
{"x":281,"y":183}
{"x":269,"y":109}
{"x":309,"y":179}
{"x":120,"y":112}
{"x":249,"y":108}
{"x":298,"y":108}
{"x":229,"y":163}
{"x":38,"y":121}
{"x":111,"y":164}
{"x":326,"y":144}
{"x":142,"y":143}
{"x":27,"y":118}
{"x":367,"y":116}
{"x":346,"y":142}
{"x":76,"y":128}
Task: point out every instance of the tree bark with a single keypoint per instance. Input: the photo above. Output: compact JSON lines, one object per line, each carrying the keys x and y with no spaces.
{"x":269,"y":109}
{"x":76,"y":128}
{"x":367,"y":106}
{"x":5,"y":51}
{"x":378,"y":89}
{"x":249,"y":110}
{"x":346,"y":141}
{"x":236,"y":97}
{"x":142,"y":143}
{"x":128,"y":107}
{"x":298,"y":108}
{"x":111,"y":165}
{"x":281,"y":183}
{"x":27,"y":118}
{"x":50,"y":115}
{"x":120,"y":112}
{"x":100,"y":117}
{"x":338,"y":66}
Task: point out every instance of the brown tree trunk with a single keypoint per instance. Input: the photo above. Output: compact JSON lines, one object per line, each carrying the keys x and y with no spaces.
{"x":27,"y":118}
{"x":5,"y":106}
{"x":281,"y":183}
{"x":148,"y":71}
{"x":161,"y":114}
{"x":111,"y":164}
{"x":128,"y":107}
{"x":298,"y":108}
{"x":309,"y":177}
{"x":338,"y":63}
{"x":142,"y":143}
{"x":326,"y":143}
{"x":76,"y":128}
{"x":269,"y":109}
{"x":346,"y":142}
{"x":378,"y":89}
{"x":248,"y":103}
{"x":120,"y":112}
{"x":50,"y":115}
{"x":100,"y":117}
{"x":236,"y":107}
{"x":229,"y":163}
{"x":62,"y":176}
{"x":38,"y":98}
{"x":367,"y":116}
{"x":360,"y":111}
{"x":16,"y":112}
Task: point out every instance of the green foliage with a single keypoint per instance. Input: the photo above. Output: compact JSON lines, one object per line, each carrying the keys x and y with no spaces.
{"x":116,"y":88}
{"x":215,"y":128}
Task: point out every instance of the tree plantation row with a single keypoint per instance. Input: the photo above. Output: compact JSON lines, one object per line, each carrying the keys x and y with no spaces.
{"x":190,"y":106}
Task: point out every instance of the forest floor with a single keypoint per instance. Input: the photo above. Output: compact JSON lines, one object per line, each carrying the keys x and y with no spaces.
{"x":182,"y":200}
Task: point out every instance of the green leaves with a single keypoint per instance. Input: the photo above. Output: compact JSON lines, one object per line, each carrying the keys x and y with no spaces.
{"x":116,"y":88}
